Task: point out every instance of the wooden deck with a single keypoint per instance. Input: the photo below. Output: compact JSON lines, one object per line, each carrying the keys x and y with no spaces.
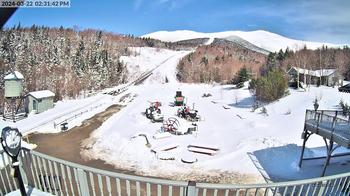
{"x":333,"y":126}
{"x":340,"y":133}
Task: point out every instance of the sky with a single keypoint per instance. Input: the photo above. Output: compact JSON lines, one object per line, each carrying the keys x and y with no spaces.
{"x":311,"y":20}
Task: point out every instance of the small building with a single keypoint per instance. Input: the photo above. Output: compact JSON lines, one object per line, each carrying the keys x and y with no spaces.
{"x":13,"y":84}
{"x":327,"y":77}
{"x":39,"y":101}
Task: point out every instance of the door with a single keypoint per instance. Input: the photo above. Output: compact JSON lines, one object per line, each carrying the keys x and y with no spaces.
{"x":35,"y":105}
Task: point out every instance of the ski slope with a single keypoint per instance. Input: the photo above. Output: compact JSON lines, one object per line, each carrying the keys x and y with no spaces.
{"x":161,"y":62}
{"x":263,"y":39}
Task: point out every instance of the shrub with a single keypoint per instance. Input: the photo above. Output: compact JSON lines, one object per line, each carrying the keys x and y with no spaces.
{"x":240,"y":85}
{"x":270,"y":87}
{"x":241,"y":76}
{"x":345,"y":107}
{"x":264,"y":111}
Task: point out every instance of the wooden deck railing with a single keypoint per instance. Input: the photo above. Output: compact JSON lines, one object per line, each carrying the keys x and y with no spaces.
{"x":60,"y":177}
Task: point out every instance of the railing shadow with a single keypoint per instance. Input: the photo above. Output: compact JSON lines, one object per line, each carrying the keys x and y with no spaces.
{"x":243,"y":103}
{"x":279,"y":164}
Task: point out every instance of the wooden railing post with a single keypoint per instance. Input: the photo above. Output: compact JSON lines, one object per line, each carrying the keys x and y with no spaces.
{"x":83,"y":184}
{"x":191,"y":189}
{"x":321,"y":190}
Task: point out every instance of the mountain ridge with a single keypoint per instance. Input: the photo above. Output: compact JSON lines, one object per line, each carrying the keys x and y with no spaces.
{"x":263,"y":39}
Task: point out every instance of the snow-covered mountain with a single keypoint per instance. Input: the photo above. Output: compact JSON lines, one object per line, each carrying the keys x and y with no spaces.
{"x":263,"y":39}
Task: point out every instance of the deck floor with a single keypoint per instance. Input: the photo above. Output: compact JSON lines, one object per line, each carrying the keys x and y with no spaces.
{"x":341,"y":133}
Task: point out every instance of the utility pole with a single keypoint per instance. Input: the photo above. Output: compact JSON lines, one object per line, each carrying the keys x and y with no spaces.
{"x":320,"y":69}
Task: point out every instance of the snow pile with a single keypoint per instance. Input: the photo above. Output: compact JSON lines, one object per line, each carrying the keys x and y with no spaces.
{"x":263,"y":39}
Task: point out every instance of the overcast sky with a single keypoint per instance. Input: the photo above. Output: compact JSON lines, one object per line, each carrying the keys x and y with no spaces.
{"x":314,"y":20}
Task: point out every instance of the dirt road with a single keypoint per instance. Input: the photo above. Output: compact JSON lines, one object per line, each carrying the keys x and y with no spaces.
{"x":67,"y":145}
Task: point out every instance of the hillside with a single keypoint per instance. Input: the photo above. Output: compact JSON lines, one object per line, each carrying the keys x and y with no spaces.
{"x":70,"y":62}
{"x":218,"y":62}
{"x":263,"y":39}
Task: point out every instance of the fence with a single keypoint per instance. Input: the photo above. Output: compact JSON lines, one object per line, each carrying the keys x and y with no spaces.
{"x":60,"y":177}
{"x":76,"y":115}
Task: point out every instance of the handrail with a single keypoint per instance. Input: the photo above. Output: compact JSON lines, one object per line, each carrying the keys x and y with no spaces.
{"x":76,"y":115}
{"x":43,"y":178}
{"x":274,"y":184}
{"x":199,"y":185}
{"x":109,"y":173}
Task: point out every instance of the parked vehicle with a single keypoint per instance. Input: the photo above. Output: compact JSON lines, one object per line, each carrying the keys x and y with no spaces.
{"x":188,"y":114}
{"x":179,"y":99}
{"x":345,"y":88}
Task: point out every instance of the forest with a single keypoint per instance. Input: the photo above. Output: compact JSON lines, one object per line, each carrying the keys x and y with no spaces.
{"x":220,"y":62}
{"x":68,"y":61}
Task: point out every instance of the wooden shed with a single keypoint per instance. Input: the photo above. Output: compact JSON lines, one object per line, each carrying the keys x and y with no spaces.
{"x":39,"y":101}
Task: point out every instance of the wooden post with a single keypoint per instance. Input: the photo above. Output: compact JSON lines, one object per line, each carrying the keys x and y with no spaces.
{"x":191,"y":189}
{"x":329,"y":152}
{"x":305,"y":137}
{"x":82,"y":182}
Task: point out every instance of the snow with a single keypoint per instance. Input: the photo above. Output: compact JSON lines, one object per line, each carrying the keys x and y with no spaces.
{"x":30,"y":191}
{"x":249,"y":143}
{"x":277,"y":133}
{"x":160,"y":61}
{"x":263,"y":39}
{"x":72,"y":111}
{"x":14,"y":75}
{"x":42,"y":94}
{"x":246,"y":140}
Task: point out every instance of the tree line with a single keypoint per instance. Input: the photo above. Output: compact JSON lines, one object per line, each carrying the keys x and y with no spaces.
{"x":67,"y":61}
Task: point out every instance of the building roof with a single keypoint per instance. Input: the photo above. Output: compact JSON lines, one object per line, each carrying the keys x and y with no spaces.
{"x":316,"y":73}
{"x":42,"y":94}
{"x":14,"y":75}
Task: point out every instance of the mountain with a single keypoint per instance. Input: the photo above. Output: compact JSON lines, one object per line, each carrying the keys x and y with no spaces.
{"x":262,"y":39}
{"x":244,"y":43}
{"x":219,"y":61}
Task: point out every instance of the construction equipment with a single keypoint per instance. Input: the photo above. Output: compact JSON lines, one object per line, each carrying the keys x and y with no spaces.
{"x":154,"y":112}
{"x":171,"y":125}
{"x":179,"y":99}
{"x":188,"y":114}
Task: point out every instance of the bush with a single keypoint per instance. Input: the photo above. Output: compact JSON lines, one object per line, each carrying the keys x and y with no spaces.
{"x":241,"y":76}
{"x":270,"y":87}
{"x":240,"y":85}
{"x":264,"y":111}
{"x":345,"y":107}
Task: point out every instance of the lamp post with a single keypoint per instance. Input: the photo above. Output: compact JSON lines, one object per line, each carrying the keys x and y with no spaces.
{"x":11,"y":143}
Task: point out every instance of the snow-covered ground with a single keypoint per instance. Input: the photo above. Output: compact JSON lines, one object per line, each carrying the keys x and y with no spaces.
{"x":249,"y":143}
{"x":160,"y":61}
{"x":72,"y":111}
{"x":241,"y":135}
{"x":263,"y":39}
{"x":30,"y":191}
